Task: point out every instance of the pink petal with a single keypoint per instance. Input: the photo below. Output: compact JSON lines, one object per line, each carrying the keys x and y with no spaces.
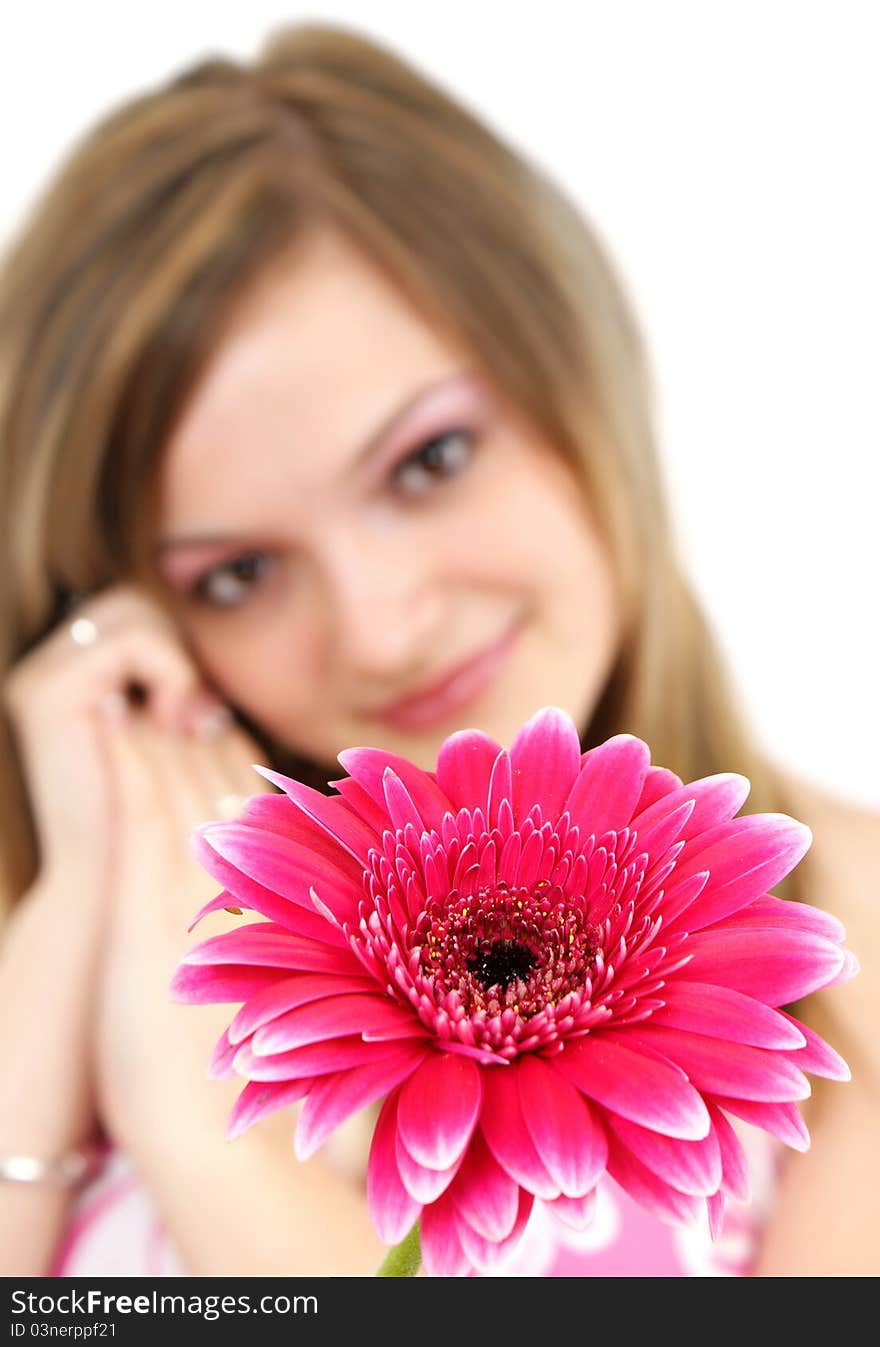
{"x":350,"y":831}
{"x":464,"y":768}
{"x":717,"y":1066}
{"x":248,"y":893}
{"x":484,"y":1193}
{"x":568,"y":1137}
{"x":783,"y":1121}
{"x":259,"y":942}
{"x":575,"y":1212}
{"x":774,"y":966}
{"x":216,"y":904}
{"x":676,"y":896}
{"x":486,"y":1254}
{"x":639,"y":1088}
{"x":692,"y":1167}
{"x":482,"y":1056}
{"x":272,"y":945}
{"x":401,"y":809}
{"x":609,"y":786}
{"x":545,"y":759}
{"x":745,"y":858}
{"x":772,"y":913}
{"x":260,"y":1098}
{"x":651,"y":1192}
{"x":466,"y":866}
{"x":287,"y":993}
{"x":659,"y":781}
{"x":657,"y":836}
{"x":530,"y":860}
{"x":716,"y":800}
{"x":411,"y":1028}
{"x":315,"y":1059}
{"x":438,"y":1109}
{"x":335,"y":1098}
{"x":367,"y":766}
{"x":287,"y":868}
{"x":361,"y":803}
{"x":276,"y":813}
{"x":848,"y":969}
{"x":508,"y":861}
{"x":486,"y":872}
{"x":723,"y":1013}
{"x":442,"y":1254}
{"x":817,"y":1056}
{"x":500,"y":788}
{"x":734,"y":1166}
{"x":715,"y":1206}
{"x":318,"y":924}
{"x":333,"y":1017}
{"x":203,"y":986}
{"x":221,"y":1065}
{"x":393,"y":1211}
{"x":508,"y":1137}
{"x":425,"y":1185}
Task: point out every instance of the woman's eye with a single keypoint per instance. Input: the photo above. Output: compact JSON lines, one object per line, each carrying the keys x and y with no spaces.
{"x":441,"y":457}
{"x":227,"y":586}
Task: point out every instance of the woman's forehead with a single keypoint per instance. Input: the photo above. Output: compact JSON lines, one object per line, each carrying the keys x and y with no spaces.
{"x":317,"y":356}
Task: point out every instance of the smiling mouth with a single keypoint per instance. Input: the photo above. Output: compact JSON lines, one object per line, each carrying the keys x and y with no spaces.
{"x":455,"y":690}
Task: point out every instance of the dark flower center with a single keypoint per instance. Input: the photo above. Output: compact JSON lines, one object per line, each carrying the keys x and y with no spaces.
{"x":496,"y":967}
{"x":498,"y":949}
{"x":501,"y":962}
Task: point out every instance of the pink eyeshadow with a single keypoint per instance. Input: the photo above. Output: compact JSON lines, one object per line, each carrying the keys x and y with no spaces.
{"x":184,"y":564}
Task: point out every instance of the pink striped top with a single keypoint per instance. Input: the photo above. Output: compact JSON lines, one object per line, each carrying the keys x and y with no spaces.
{"x":114,"y":1231}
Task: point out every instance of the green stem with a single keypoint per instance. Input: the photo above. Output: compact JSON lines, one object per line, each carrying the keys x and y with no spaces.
{"x":405,"y":1259}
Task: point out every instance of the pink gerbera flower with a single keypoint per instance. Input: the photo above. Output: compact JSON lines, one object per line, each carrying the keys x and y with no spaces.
{"x":551,"y":965}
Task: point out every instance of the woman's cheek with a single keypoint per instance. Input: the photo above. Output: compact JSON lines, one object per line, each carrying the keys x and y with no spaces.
{"x":485,"y":526}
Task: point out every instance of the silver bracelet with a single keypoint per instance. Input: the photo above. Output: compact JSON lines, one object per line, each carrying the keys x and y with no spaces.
{"x":66,"y":1171}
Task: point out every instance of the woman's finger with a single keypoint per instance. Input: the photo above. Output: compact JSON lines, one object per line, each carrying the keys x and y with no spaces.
{"x":120,"y":647}
{"x":169,"y":785}
{"x":125,"y":641}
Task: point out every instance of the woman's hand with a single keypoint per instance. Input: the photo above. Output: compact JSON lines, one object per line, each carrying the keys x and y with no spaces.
{"x":55,"y":697}
{"x":56,"y":940}
{"x":62,"y":700}
{"x":152,"y":1054}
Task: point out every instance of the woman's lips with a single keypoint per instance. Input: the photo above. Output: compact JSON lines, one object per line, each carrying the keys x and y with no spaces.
{"x":460,"y":687}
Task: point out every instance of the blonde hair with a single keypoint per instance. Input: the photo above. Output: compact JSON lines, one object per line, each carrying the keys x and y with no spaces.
{"x":114,"y":294}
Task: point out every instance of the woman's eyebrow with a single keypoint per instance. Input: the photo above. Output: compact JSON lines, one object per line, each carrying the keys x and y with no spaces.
{"x":389,"y":427}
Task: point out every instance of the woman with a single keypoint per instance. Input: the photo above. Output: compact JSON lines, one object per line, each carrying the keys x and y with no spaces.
{"x":325,"y":422}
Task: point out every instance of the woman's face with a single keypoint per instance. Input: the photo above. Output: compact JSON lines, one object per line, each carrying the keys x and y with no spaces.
{"x":364,"y":544}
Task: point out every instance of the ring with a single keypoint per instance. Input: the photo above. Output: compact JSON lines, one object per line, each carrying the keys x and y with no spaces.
{"x":83,"y":631}
{"x":230,"y":806}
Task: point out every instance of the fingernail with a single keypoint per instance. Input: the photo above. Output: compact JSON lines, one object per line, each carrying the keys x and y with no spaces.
{"x":115,"y":706}
{"x":213,"y":722}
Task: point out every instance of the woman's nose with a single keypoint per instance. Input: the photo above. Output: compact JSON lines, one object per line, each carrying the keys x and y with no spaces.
{"x":383,"y":609}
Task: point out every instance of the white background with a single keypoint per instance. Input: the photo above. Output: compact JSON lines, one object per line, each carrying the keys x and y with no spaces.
{"x":727,"y":151}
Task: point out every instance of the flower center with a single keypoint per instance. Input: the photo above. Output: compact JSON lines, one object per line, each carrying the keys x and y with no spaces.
{"x":501,"y":948}
{"x":501,"y":962}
